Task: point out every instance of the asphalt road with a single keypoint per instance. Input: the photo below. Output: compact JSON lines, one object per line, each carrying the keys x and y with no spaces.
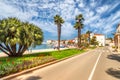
{"x":92,"y":65}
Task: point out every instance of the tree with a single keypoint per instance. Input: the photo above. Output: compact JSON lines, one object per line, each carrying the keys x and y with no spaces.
{"x":110,"y":38}
{"x":78,"y":26}
{"x":84,"y":40}
{"x":16,"y":36}
{"x":94,"y":41}
{"x":88,"y":32}
{"x":58,"y":21}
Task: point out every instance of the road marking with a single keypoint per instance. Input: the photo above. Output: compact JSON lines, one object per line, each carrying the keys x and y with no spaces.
{"x":93,"y":70}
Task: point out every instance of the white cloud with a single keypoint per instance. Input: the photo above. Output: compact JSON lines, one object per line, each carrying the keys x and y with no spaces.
{"x":91,"y":20}
{"x":113,"y":6}
{"x":10,"y":11}
{"x":68,"y":10}
{"x":69,"y":1}
{"x":47,"y":26}
{"x":76,"y":11}
{"x":107,"y":24}
{"x":103,"y":9}
{"x":92,"y":3}
{"x":81,"y":4}
{"x":67,"y":30}
{"x":6,"y":10}
{"x":116,"y":16}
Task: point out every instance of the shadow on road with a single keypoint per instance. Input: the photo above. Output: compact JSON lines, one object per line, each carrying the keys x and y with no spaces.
{"x":34,"y":78}
{"x":114,"y":72}
{"x":114,"y":57}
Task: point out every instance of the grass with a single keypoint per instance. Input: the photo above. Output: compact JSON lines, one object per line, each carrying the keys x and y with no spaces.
{"x":12,"y":65}
{"x":66,"y":53}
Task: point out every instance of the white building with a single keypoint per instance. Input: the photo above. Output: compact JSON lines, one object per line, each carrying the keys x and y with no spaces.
{"x":76,"y":40}
{"x":49,"y":41}
{"x":100,"y":38}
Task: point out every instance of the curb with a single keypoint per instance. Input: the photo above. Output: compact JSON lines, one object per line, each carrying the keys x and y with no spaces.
{"x":37,"y":67}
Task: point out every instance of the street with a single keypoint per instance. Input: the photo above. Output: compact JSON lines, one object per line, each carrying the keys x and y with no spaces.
{"x":97,"y":64}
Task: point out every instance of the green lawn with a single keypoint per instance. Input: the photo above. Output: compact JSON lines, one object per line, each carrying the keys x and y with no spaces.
{"x":12,"y":65}
{"x":66,"y":53}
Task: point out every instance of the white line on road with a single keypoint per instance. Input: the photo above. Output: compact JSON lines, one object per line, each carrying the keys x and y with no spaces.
{"x":93,"y":70}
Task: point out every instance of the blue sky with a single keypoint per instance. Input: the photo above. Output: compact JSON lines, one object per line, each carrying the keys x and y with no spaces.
{"x":101,"y":16}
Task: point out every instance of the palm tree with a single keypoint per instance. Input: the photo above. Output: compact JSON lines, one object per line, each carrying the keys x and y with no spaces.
{"x":78,"y":26}
{"x":17,"y":36}
{"x":58,"y":21}
{"x":88,"y":32}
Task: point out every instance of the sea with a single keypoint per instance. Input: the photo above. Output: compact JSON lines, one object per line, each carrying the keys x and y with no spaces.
{"x":38,"y":47}
{"x":42,"y":46}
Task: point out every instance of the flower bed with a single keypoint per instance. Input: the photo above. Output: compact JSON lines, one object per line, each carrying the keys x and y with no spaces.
{"x":16,"y":64}
{"x":10,"y":66}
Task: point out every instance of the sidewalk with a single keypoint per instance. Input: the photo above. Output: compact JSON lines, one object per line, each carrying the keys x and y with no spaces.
{"x":112,"y":50}
{"x":34,"y":51}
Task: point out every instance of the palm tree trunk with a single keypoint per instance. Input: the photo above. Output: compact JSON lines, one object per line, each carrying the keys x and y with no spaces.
{"x":13,"y":49}
{"x":79,"y":39}
{"x":89,"y":38}
{"x":59,"y":35}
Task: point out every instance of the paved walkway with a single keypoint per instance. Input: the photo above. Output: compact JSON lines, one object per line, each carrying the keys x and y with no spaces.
{"x":34,"y":51}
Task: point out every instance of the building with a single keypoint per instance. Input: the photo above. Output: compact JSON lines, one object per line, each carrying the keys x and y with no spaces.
{"x":100,"y":38}
{"x":76,"y":40}
{"x":54,"y":42}
{"x":84,"y":39}
{"x":117,"y":38}
{"x":49,"y":41}
{"x":109,"y":42}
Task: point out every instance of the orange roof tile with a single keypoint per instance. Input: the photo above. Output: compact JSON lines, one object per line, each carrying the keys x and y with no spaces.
{"x":98,"y":34}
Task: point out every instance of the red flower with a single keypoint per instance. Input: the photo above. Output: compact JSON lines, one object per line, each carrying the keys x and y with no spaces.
{"x":12,"y":62}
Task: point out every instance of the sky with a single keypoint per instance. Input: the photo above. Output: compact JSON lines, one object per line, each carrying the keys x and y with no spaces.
{"x":101,"y":16}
